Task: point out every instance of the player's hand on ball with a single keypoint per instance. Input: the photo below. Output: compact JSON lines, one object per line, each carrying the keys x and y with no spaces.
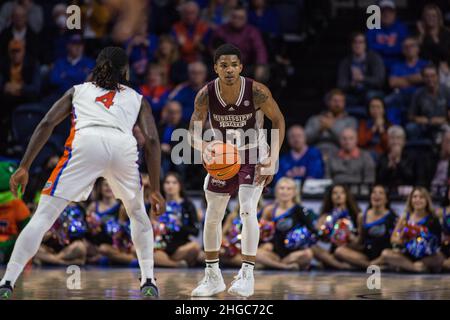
{"x":158,"y":203}
{"x":19,"y":178}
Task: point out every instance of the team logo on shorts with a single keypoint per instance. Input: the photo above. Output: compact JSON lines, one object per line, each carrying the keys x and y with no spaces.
{"x":246,"y":103}
{"x":218,"y":183}
{"x":48,"y":184}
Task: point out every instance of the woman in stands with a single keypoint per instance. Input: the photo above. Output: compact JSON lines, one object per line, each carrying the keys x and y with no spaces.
{"x":416,"y":238}
{"x":372,"y":133}
{"x":286,"y":252}
{"x":338,"y":205}
{"x":180,"y":221}
{"x":375,"y":227}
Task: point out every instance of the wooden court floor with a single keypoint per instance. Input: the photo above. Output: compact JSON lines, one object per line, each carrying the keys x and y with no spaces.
{"x":117,"y":283}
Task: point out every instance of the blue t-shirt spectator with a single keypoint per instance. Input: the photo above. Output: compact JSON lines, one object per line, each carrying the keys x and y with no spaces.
{"x":185,"y":95}
{"x":65,"y":74}
{"x":402,"y":69}
{"x":387,"y":41}
{"x":267,"y":23}
{"x":301,"y":166}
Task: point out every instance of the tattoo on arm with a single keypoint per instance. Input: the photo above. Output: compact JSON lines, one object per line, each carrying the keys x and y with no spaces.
{"x":200,"y":113}
{"x":200,"y":108}
{"x":260,"y":95}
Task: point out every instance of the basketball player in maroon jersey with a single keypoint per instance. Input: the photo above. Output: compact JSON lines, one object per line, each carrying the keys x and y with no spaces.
{"x":232,"y":102}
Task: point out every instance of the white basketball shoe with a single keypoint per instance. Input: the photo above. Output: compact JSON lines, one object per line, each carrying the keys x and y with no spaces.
{"x":211,"y":284}
{"x":243,"y":284}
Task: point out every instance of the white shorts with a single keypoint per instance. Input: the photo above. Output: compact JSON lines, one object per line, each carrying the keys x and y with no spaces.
{"x":91,"y":153}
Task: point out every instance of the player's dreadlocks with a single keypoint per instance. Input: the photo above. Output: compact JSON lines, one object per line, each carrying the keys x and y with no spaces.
{"x":109,"y":70}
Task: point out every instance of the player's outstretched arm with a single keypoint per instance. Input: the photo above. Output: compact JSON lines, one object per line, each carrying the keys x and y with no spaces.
{"x":198,"y":118}
{"x":57,"y":113}
{"x":152,"y":150}
{"x":262,"y":98}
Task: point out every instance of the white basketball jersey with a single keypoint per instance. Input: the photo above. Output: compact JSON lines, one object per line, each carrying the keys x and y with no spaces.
{"x":95,"y":106}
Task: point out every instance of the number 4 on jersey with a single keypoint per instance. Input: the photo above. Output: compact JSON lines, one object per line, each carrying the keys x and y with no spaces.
{"x":106,"y":99}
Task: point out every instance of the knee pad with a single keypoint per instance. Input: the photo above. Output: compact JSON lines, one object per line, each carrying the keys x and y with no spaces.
{"x":216,"y":206}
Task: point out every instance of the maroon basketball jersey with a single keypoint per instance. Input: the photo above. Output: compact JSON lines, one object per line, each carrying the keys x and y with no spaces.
{"x":243,"y":114}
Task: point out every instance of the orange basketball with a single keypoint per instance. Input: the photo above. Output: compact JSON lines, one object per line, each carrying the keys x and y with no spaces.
{"x":222,"y":160}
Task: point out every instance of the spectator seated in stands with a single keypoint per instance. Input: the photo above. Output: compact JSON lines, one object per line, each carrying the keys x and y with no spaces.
{"x":434,"y":37}
{"x":141,"y":49}
{"x":441,"y":174}
{"x":174,"y":244}
{"x":302,"y":162}
{"x":248,"y":39}
{"x":398,"y":167}
{"x":185,"y":93}
{"x":19,"y":30}
{"x":429,"y":108}
{"x":404,"y":79}
{"x":264,"y":17}
{"x":56,"y":35}
{"x":73,"y":69}
{"x":323,"y":130}
{"x":350,"y":164}
{"x":34,"y":14}
{"x":171,"y":120}
{"x":19,"y":83}
{"x":191,"y":33}
{"x":361,"y":74}
{"x":372,"y":133}
{"x":155,"y":90}
{"x":14,"y":214}
{"x":218,"y":12}
{"x":387,"y":40}
{"x":167,"y":57}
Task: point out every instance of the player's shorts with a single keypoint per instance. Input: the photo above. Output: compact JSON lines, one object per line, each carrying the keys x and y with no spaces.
{"x":91,"y":153}
{"x":245,"y":176}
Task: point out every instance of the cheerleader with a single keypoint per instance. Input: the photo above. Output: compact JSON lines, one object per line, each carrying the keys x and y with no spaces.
{"x":416,"y":237}
{"x":102,"y":218}
{"x":444,"y":215}
{"x":290,"y":218}
{"x":63,"y":244}
{"x":375,"y":228}
{"x":175,"y":247}
{"x":121,"y":250}
{"x":337,"y":206}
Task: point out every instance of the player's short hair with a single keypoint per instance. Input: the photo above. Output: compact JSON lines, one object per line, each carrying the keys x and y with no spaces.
{"x":109,"y":68}
{"x":225,"y":50}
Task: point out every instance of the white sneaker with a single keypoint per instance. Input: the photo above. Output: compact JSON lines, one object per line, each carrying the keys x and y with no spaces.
{"x":211,"y":284}
{"x":243,"y":284}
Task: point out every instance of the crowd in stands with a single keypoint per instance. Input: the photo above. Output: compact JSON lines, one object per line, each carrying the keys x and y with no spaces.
{"x":384,"y":125}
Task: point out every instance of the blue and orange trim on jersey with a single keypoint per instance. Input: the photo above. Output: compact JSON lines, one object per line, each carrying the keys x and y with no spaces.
{"x":52,"y":182}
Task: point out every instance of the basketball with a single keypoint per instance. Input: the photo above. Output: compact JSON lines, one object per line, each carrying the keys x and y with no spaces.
{"x":221,"y":160}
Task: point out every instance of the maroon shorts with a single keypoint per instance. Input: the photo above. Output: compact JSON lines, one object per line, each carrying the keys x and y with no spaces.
{"x":246,"y":175}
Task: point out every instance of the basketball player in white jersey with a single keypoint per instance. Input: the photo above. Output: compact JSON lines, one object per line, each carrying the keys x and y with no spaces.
{"x":230,"y":103}
{"x":100,"y":144}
